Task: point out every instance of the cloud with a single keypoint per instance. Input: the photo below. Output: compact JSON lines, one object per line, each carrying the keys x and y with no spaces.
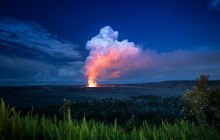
{"x":33,"y":35}
{"x":110,"y":58}
{"x":8,"y":45}
{"x":76,"y":64}
{"x":214,"y":5}
{"x":117,"y":61}
{"x":72,"y":70}
{"x":21,"y":69}
{"x":66,"y":73}
{"x":28,"y":70}
{"x":176,"y":65}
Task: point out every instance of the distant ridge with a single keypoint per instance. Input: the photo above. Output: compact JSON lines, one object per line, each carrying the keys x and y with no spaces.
{"x":169,"y":83}
{"x":188,"y":84}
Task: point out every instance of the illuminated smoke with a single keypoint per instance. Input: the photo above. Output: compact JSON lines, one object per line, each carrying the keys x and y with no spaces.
{"x":108,"y":57}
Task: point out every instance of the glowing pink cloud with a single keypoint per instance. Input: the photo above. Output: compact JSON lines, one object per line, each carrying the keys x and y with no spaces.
{"x":109,"y":57}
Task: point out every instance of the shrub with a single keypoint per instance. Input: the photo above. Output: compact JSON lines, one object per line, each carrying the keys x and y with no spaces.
{"x":65,"y":107}
{"x":201,"y":103}
{"x":202,"y":82}
{"x":213,"y":107}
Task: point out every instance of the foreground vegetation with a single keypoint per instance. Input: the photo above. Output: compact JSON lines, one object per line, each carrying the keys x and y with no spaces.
{"x":202,"y":103}
{"x":14,"y":126}
{"x":154,"y":109}
{"x":195,"y":115}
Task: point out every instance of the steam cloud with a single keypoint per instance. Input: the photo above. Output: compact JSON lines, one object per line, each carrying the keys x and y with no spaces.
{"x":109,"y":57}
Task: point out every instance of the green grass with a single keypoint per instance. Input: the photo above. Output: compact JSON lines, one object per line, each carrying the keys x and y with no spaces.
{"x":14,"y":126}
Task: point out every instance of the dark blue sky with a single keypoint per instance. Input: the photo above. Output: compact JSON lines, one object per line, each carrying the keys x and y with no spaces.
{"x":52,"y":35}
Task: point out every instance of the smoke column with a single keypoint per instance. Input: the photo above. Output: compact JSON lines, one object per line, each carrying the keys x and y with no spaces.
{"x":108,"y":57}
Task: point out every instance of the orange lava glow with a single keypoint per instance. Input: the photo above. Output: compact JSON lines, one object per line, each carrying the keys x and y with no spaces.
{"x":92,"y":83}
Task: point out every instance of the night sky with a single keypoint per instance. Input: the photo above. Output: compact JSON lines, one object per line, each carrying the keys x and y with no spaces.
{"x":44,"y":42}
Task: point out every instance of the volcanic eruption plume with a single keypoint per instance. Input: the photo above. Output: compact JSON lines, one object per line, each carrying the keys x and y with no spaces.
{"x":108,"y":57}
